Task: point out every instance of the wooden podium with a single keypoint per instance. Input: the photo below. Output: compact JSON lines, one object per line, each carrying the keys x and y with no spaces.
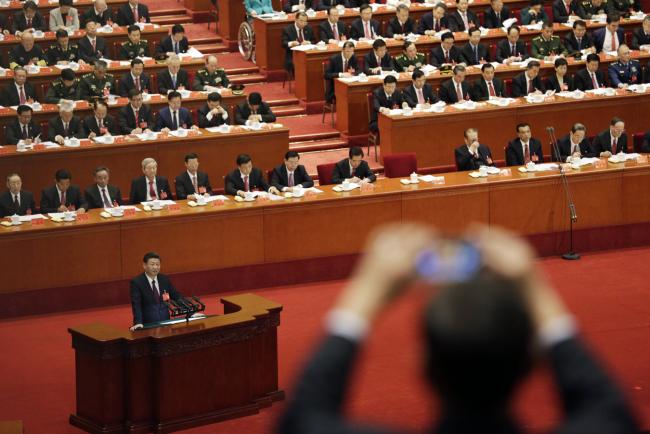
{"x":178,"y":376}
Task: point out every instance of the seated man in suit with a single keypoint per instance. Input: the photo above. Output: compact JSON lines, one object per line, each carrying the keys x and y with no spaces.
{"x":473,"y":52}
{"x":298,"y":33}
{"x":488,"y":86}
{"x":174,"y":117}
{"x":66,"y":125}
{"x":62,"y":196}
{"x":173,"y":78}
{"x":511,"y":49}
{"x":4,"y":29}
{"x":16,"y":201}
{"x":573,"y":145}
{"x":445,"y":53}
{"x":579,"y":42}
{"x":149,"y":186}
{"x":419,"y":92}
{"x":19,"y":91}
{"x":332,"y":30}
{"x":253,"y":110}
{"x":645,"y":146}
{"x":92,"y":47}
{"x":353,"y":169}
{"x":102,"y":194}
{"x":210,"y":78}
{"x":641,"y":36}
{"x":291,"y":174}
{"x":560,"y":81}
{"x":456,"y":89}
{"x":623,"y":7}
{"x":340,"y":65}
{"x":132,"y":12}
{"x":135,"y":117}
{"x":99,"y":13}
{"x":434,"y":21}
{"x":534,"y":13}
{"x":401,"y":24}
{"x":384,"y":98}
{"x":410,"y":59}
{"x":462,"y":18}
{"x":472,"y":154}
{"x":610,"y":37}
{"x":23,"y":128}
{"x":590,"y":77}
{"x":528,"y":82}
{"x":246,"y":178}
{"x":26,"y":53}
{"x":191,"y":182}
{"x":213,"y":114}
{"x":135,"y":46}
{"x":100,"y":123}
{"x":496,"y":14}
{"x":149,"y":292}
{"x":175,"y":43}
{"x":524,"y":149}
{"x":364,"y":26}
{"x":297,"y":5}
{"x":625,"y":71}
{"x":565,"y":10}
{"x":28,"y":19}
{"x":63,"y":52}
{"x":64,"y":88}
{"x":611,"y":141}
{"x":378,"y":59}
{"x":135,"y":80}
{"x":594,"y":7}
{"x":65,"y":17}
{"x":325,"y":5}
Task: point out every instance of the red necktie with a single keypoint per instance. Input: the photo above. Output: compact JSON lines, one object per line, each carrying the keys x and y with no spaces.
{"x":137,"y":119}
{"x":156,"y":293}
{"x":491,"y":89}
{"x":568,"y":9}
{"x":459,"y":92}
{"x":345,"y":65}
{"x":526,"y":153}
{"x":194,"y":184}
{"x":152,"y":191}
{"x":613,"y":41}
{"x":63,"y":201}
{"x":93,"y":42}
{"x":300,"y":36}
{"x":436,"y":25}
{"x":367,"y":33}
{"x":291,"y":184}
{"x":246,"y":185}
{"x":595,"y":82}
{"x":420,"y":95}
{"x":335,"y":32}
{"x":137,"y":83}
{"x":136,"y":18}
{"x":23,"y":98}
{"x":614,"y":145}
{"x":107,"y":202}
{"x":447,"y":57}
{"x":531,"y":88}
{"x":29,"y":23}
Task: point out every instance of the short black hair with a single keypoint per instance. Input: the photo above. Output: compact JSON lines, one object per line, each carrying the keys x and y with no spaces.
{"x":581,"y":23}
{"x":536,"y":3}
{"x":150,"y":255}
{"x":593,"y":58}
{"x":67,"y":74}
{"x":532,"y":64}
{"x":514,"y":27}
{"x":521,"y":125}
{"x":363,"y":7}
{"x":136,"y":61}
{"x":458,"y":68}
{"x":23,"y":108}
{"x":243,"y":159}
{"x":62,"y":174}
{"x":214,"y":97}
{"x":447,"y":35}
{"x":547,"y":25}
{"x":291,"y":154}
{"x":486,"y":66}
{"x":612,"y":18}
{"x":174,"y":94}
{"x":132,"y":28}
{"x":134,"y":92}
{"x":191,"y":156}
{"x":378,"y":44}
{"x":472,"y":30}
{"x":30,"y":5}
{"x":417,"y":73}
{"x":177,"y":28}
{"x":578,"y":127}
{"x":356,"y":151}
{"x":65,"y":2}
{"x":99,"y":102}
{"x":408,"y":44}
{"x":332,"y":8}
{"x":560,"y":61}
{"x":390,"y":79}
{"x":61,"y":34}
{"x":616,"y":120}
{"x":255,"y":98}
{"x":101,"y":169}
{"x":348,"y":44}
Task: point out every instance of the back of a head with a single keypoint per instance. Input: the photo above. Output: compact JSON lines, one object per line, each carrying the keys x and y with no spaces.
{"x":479,"y":342}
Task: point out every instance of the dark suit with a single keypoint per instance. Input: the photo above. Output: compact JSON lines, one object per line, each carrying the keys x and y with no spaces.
{"x":288,"y":6}
{"x":147,"y":305}
{"x":15,"y":132}
{"x":448,"y":91}
{"x":457,"y":24}
{"x":466,"y":161}
{"x":342,"y":172}
{"x":55,"y":128}
{"x":127,"y":83}
{"x":551,"y":83}
{"x":184,"y":186}
{"x":243,"y":111}
{"x":290,"y":34}
{"x":164,"y":119}
{"x":504,"y":50}
{"x":165,"y":83}
{"x":639,"y":37}
{"x":140,"y":187}
{"x":480,"y":91}
{"x":560,"y":14}
{"x":599,"y":37}
{"x":214,"y":122}
{"x":90,"y":125}
{"x":493,"y":20}
{"x":411,"y":97}
{"x":280,"y":177}
{"x":334,"y":67}
{"x":520,"y":85}
{"x":51,"y":201}
{"x":515,"y":152}
{"x":603,"y":143}
{"x":370,"y":62}
{"x":126,"y":118}
{"x":167,"y":46}
{"x":235,"y":183}
{"x":8,"y":208}
{"x":395,"y":28}
{"x":380,"y":100}
{"x":125,"y":14}
{"x":438,"y":56}
{"x":86,"y":52}
{"x":10,"y":96}
{"x":357,"y":31}
{"x":324,"y":5}
{"x":325,"y":30}
{"x":582,"y":80}
{"x":102,"y":18}
{"x":564,"y":146}
{"x":645,"y":146}
{"x":20,"y":23}
{"x":426,"y":23}
{"x":94,"y":196}
{"x":573,"y":46}
{"x":469,"y":57}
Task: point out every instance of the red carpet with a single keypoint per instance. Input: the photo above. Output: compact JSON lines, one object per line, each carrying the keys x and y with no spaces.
{"x":607,"y":291}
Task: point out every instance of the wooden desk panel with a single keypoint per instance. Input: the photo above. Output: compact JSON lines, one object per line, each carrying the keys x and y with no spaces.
{"x":636,"y":196}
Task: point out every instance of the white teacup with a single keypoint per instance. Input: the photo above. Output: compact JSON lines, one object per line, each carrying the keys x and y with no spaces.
{"x":298,"y":191}
{"x":68,"y":216}
{"x":3,"y":72}
{"x":156,"y":205}
{"x":530,"y":165}
{"x":36,"y":106}
{"x":181,"y":133}
{"x":15,"y":219}
{"x":483,"y":170}
{"x":200,"y":199}
{"x":224,"y":128}
{"x":248,"y":195}
{"x":414,"y":177}
{"x":117,"y":212}
{"x":345,"y":184}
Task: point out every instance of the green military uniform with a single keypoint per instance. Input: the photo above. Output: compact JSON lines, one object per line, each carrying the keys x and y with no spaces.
{"x":130,"y":51}
{"x":18,"y":56}
{"x":622,"y":7}
{"x":58,"y":91}
{"x":591,"y":9}
{"x":552,"y":47}
{"x":402,"y":62}
{"x":56,"y":54}
{"x":93,"y":87}
{"x":204,"y":78}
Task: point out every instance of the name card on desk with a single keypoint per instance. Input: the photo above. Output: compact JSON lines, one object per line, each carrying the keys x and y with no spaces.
{"x":4,"y":150}
{"x":218,"y":203}
{"x":174,"y":207}
{"x":129,"y":212}
{"x":37,"y":222}
{"x":83,"y":217}
{"x":38,"y":146}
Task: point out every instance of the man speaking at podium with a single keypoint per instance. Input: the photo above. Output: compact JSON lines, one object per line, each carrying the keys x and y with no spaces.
{"x":148,"y":292}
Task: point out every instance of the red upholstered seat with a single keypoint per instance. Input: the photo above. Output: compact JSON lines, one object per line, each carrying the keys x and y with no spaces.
{"x":400,"y":165}
{"x":325,"y":173}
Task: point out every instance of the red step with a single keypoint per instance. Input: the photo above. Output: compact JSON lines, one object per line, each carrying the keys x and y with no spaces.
{"x":169,"y":11}
{"x":247,"y":78}
{"x":289,"y":110}
{"x":318,"y":145}
{"x":282,"y":101}
{"x":171,"y":19}
{"x":321,"y":135}
{"x":202,"y":39}
{"x":211,"y":48}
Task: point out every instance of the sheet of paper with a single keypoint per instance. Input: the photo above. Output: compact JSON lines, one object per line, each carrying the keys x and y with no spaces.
{"x":162,"y":202}
{"x":124,"y":207}
{"x":29,"y":218}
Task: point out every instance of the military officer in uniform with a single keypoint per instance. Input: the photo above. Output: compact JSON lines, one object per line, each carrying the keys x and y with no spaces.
{"x":98,"y":83}
{"x":211,"y":77}
{"x":63,"y":51}
{"x":64,"y":88}
{"x":547,"y":45}
{"x":134,"y":47}
{"x":26,"y":52}
{"x":624,"y":71}
{"x":623,"y":7}
{"x":410,"y":59}
{"x":594,"y":7}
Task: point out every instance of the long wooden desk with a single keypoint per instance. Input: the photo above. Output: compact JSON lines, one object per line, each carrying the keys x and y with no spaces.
{"x":178,"y":376}
{"x":309,"y":86}
{"x":352,"y":101}
{"x":217,"y":153}
{"x":44,"y":6}
{"x":152,"y":33}
{"x":497,"y":125}
{"x":268,"y":33}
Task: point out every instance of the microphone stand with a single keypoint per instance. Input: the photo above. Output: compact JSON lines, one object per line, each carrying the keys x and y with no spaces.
{"x":573,"y":216}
